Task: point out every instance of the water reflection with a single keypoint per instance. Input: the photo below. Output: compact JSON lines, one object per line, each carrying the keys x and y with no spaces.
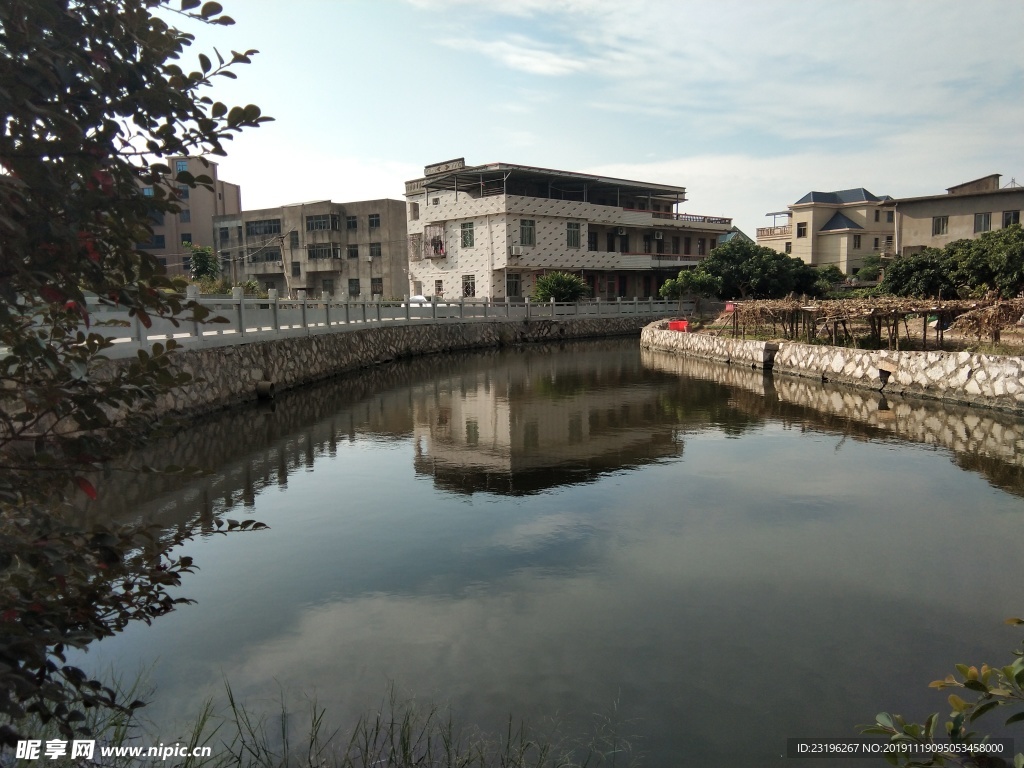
{"x":463,"y":526}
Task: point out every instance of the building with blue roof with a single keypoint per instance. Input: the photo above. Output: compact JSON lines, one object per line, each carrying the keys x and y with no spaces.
{"x":832,"y":228}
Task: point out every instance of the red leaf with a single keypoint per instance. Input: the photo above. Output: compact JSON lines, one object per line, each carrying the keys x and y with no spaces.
{"x":52,"y":295}
{"x":144,"y":318}
{"x":87,"y":488}
{"x":9,"y":615}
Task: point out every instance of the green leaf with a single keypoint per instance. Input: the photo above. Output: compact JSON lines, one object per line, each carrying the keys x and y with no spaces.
{"x":1015,"y":718}
{"x":188,"y":5}
{"x":976,"y":685}
{"x":983,"y":709}
{"x":204,"y":63}
{"x":884,"y":719}
{"x":210,"y":9}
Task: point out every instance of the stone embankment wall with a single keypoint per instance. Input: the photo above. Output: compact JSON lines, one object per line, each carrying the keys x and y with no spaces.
{"x":991,"y":381}
{"x":226,"y":376}
{"x":967,"y":432}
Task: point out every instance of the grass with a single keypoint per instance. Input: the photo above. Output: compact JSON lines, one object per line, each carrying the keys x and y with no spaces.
{"x":395,"y":734}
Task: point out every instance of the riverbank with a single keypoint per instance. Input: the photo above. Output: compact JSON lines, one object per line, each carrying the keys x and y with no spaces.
{"x":964,"y":378}
{"x":226,"y":376}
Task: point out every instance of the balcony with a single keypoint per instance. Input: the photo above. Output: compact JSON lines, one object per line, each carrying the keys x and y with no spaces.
{"x":786,"y":231}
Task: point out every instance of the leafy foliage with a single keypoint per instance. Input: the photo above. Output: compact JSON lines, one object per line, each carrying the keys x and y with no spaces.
{"x":204,"y":262}
{"x":743,"y":269}
{"x":991,"y":689}
{"x":964,"y":268}
{"x":560,"y":286}
{"x":95,"y":96}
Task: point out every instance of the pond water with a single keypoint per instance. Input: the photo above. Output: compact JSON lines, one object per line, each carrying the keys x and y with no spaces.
{"x":551,"y":533}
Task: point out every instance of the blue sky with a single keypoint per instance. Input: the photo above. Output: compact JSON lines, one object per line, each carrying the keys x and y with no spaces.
{"x":747,"y":104}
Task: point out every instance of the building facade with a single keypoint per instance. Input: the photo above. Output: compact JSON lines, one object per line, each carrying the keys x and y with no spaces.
{"x":490,"y":231}
{"x":966,"y":211}
{"x":345,"y":251}
{"x":194,"y":223}
{"x":833,"y":229}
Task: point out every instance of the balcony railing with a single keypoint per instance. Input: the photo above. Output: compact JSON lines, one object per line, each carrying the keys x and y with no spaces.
{"x":775,"y":231}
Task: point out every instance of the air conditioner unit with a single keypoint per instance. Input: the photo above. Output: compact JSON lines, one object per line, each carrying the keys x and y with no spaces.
{"x":659,"y":235}
{"x":515,"y":250}
{"x":622,"y":230}
{"x":280,"y":263}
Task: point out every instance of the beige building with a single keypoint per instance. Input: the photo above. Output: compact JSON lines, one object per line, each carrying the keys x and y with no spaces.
{"x":965,"y":211}
{"x":194,"y":223}
{"x":832,"y":229}
{"x":490,"y":231}
{"x":348,"y":251}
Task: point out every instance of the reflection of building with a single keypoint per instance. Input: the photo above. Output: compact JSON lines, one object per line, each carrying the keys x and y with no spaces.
{"x":194,"y":223}
{"x":344,"y":250}
{"x":517,"y":428}
{"x":966,"y":211}
{"x":832,"y":228}
{"x":491,"y":230}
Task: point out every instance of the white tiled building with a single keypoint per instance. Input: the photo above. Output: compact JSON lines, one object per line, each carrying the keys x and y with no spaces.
{"x":489,"y":231}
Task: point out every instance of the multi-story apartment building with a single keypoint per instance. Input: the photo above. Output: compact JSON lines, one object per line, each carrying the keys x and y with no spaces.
{"x":342,"y":250}
{"x":966,"y":211}
{"x":833,"y":228}
{"x":492,"y":230}
{"x":194,"y":223}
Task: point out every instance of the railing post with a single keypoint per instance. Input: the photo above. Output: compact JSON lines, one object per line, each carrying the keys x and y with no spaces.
{"x":407,"y":316}
{"x":636,"y":306}
{"x":652,"y":305}
{"x":347,"y":318}
{"x":192,"y":294}
{"x":577,"y":307}
{"x":302,"y":298}
{"x":552,"y":307}
{"x":618,"y":306}
{"x":433,"y":309}
{"x":364,"y":311}
{"x":486,"y":302}
{"x":238,"y":295}
{"x":272,"y":297}
{"x":527,"y":307}
{"x":327,"y":311}
{"x":138,"y":333}
{"x":378,"y":312}
{"x":462,"y":307}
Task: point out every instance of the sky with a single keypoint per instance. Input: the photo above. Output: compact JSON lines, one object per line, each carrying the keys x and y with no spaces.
{"x":749,"y":104}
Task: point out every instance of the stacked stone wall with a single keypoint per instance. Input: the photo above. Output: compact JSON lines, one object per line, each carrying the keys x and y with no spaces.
{"x":991,"y":381}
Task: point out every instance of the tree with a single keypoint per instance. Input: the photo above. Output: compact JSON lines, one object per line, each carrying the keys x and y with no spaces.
{"x":203,"y":262}
{"x":870,"y":268}
{"x":920,"y":275}
{"x":560,"y":286}
{"x":95,"y":96}
{"x":744,"y":269}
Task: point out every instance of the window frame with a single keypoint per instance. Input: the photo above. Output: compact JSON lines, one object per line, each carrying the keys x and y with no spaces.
{"x":940,"y":226}
{"x":572,"y":234}
{"x":527,"y":231}
{"x":983,"y":222}
{"x":469,"y":286}
{"x":468,"y":238}
{"x":374,"y":220}
{"x":1010,"y":218}
{"x":801,"y":229}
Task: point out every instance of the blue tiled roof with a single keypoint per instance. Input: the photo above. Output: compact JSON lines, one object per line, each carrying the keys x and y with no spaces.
{"x":842,"y":197}
{"x":840,"y":222}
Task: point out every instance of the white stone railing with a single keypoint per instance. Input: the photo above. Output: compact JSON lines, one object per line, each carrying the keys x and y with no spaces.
{"x":247,"y":320}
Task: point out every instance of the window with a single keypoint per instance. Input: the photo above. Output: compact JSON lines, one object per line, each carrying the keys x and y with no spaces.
{"x":147,"y":191}
{"x":888,"y":242}
{"x":296,"y":269}
{"x":675,"y":244}
{"x":801,"y":229}
{"x":647,"y":243}
{"x":183,"y":191}
{"x":351,"y":222}
{"x":877,"y":215}
{"x":374,"y":249}
{"x":591,"y":240}
{"x":320,"y":222}
{"x":269,"y":253}
{"x":712,"y":242}
{"x":876,"y":244}
{"x":352,"y":251}
{"x":610,"y":242}
{"x":435,"y":201}
{"x":181,"y":166}
{"x":293,"y":239}
{"x":353,"y":286}
{"x":940,"y":225}
{"x":982,"y":222}
{"x":376,"y":286}
{"x":700,"y":246}
{"x":472,"y":432}
{"x":890,"y":216}
{"x":163,"y":262}
{"x":414,"y":211}
{"x":225,"y":234}
{"x":323,"y":251}
{"x":185,"y":217}
{"x":572,"y":234}
{"x":659,"y":246}
{"x":467,"y":235}
{"x":527,"y":232}
{"x":624,"y":243}
{"x":687,"y":245}
{"x":225,"y":257}
{"x":186,"y":237}
{"x":374,"y":221}
{"x":186,"y":263}
{"x":439,"y":287}
{"x":856,"y":242}
{"x":469,"y":285}
{"x":789,"y":247}
{"x":239,"y":228}
{"x":262,"y":227}
{"x":1010,"y":218}
{"x":156,"y":243}
{"x":327,"y":287}
{"x":514,"y":284}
